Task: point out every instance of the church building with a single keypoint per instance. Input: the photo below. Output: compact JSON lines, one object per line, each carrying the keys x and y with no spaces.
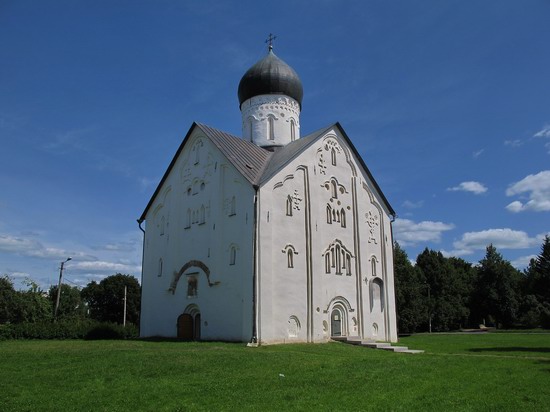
{"x":270,"y":237}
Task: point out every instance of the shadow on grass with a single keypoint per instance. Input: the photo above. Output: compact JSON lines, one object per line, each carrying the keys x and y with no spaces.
{"x":511,"y":349}
{"x":545,"y":363}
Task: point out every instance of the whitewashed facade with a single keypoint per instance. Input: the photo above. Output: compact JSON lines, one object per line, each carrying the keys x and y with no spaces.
{"x":268,"y":238}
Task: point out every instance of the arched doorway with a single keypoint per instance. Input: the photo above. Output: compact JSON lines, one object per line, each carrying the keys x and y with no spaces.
{"x":337,"y":323}
{"x":189,"y":324}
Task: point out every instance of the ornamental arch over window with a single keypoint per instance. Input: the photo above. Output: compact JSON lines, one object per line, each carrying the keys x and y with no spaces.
{"x":290,"y":251}
{"x":337,"y":257}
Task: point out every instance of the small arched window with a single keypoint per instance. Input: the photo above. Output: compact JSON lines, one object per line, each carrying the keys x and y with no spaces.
{"x":348,"y":265}
{"x":270,"y":128}
{"x":292,"y":130}
{"x":327,"y":262}
{"x":334,"y":189}
{"x":342,"y":218}
{"x":250,"y":130}
{"x":232,"y":255}
{"x":232,"y":207}
{"x":373,"y":266}
{"x":160,"y":268}
{"x":188,"y":221}
{"x":202,"y":215}
{"x":333,"y":156}
{"x":329,"y":214}
{"x":162,"y":223}
{"x":290,"y":258}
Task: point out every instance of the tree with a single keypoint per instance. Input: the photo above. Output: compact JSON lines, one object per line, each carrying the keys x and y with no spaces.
{"x":449,"y":281}
{"x":105,"y":299}
{"x":71,"y":304}
{"x":536,"y":287}
{"x":8,"y":298}
{"x":496,"y":296}
{"x":410,"y":293}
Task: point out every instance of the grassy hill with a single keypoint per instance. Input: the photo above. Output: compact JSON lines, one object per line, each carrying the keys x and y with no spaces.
{"x":495,"y":371}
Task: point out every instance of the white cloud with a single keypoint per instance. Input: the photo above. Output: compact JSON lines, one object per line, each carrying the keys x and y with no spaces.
{"x":477,"y":153}
{"x":103,"y":266}
{"x":513,"y":143}
{"x":538,"y":188}
{"x":408,"y":233}
{"x":500,"y":238}
{"x":522,"y":261}
{"x":33,"y":248}
{"x":473,"y":187}
{"x":544,"y":132}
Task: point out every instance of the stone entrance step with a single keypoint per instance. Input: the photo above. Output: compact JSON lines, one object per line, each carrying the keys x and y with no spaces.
{"x":356,"y":340}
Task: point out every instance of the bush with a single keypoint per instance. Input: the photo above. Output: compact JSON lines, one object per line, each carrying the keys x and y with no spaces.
{"x":75,"y":329}
{"x":111,"y":331}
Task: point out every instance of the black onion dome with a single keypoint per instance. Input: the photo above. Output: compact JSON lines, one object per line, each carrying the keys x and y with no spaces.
{"x":270,"y":75}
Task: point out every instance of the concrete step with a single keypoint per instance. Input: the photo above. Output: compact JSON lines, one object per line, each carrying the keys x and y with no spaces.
{"x":356,"y":340}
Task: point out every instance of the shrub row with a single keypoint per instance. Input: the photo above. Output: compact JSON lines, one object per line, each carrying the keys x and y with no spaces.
{"x":75,"y":329}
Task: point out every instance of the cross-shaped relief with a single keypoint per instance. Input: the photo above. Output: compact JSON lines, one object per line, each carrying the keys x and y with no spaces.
{"x":372,"y":221}
{"x":296,"y":200}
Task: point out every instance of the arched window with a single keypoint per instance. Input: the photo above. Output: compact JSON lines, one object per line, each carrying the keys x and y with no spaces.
{"x":188,"y":221}
{"x":290,"y":257}
{"x":329,"y":214}
{"x":289,"y":205}
{"x":377,"y":295}
{"x":270,"y":128}
{"x":333,"y":156}
{"x":327,"y":262}
{"x":192,"y":286}
{"x":338,"y":262}
{"x":203,"y":215}
{"x":334,"y":189}
{"x":250,"y":133}
{"x":160,"y":268}
{"x":343,"y":218}
{"x":232,"y":255}
{"x":162,"y":222}
{"x":292,"y":130}
{"x":232,"y":207}
{"x":348,"y":265}
{"x":373,"y":265}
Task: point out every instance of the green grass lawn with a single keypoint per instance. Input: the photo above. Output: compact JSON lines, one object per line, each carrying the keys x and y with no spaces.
{"x":505,"y":372}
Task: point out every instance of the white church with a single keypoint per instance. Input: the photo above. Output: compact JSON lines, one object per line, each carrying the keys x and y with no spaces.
{"x":270,"y":237}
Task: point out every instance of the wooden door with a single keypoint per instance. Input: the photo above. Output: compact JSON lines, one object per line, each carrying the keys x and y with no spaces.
{"x":185,"y":327}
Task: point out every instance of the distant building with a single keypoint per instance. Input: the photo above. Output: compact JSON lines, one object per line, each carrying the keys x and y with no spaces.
{"x":270,"y":237}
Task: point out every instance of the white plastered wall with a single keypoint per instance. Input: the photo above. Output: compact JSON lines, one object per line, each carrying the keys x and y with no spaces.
{"x":306,"y":294}
{"x":208,"y":187}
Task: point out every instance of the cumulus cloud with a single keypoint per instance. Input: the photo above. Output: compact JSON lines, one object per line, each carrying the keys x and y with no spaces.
{"x":33,"y":248}
{"x":537,"y":187}
{"x":409,"y":233}
{"x":473,"y":187}
{"x":500,"y":238}
{"x":522,"y":261}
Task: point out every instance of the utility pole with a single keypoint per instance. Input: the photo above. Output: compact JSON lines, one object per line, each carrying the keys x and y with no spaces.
{"x":125,"y":293}
{"x":59,"y":288}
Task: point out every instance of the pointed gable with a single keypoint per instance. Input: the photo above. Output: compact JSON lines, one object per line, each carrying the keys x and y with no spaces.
{"x":289,"y":152}
{"x":249,"y":160}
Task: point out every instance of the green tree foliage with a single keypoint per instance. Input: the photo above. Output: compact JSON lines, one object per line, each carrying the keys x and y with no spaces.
{"x":410,"y":293}
{"x":105,"y":299}
{"x":450,"y":287}
{"x":71,"y":304}
{"x":496,"y":295}
{"x":535,"y":308}
{"x":8,"y":298}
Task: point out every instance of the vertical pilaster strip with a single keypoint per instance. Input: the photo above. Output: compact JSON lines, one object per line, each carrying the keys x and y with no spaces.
{"x":357,"y":251}
{"x":309,"y":262}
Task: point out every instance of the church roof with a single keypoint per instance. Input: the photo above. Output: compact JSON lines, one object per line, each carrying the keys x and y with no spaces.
{"x":256,"y":164}
{"x":270,"y":75}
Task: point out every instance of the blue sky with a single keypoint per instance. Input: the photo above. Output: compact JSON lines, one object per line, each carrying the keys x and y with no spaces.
{"x":448,"y":102}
